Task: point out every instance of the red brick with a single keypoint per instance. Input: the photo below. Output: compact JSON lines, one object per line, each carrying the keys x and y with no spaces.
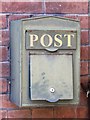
{"x":83,"y":98}
{"x":17,"y":17}
{"x":3,"y":21}
{"x":89,"y":52}
{"x":84,"y":80}
{"x":19,"y":114}
{"x":65,"y":112}
{"x":89,"y":21}
{"x":84,"y":37}
{"x":83,"y":21}
{"x":66,"y":7}
{"x":22,"y":7}
{"x":84,"y":53}
{"x":0,"y":5}
{"x":3,"y":85}
{"x":89,"y":36}
{"x":4,"y":69}
{"x":42,"y":113}
{"x":3,"y":114}
{"x":6,"y":103}
{"x":82,"y":112}
{"x":89,"y":67}
{"x":3,"y":54}
{"x":4,"y":37}
{"x":84,"y":68}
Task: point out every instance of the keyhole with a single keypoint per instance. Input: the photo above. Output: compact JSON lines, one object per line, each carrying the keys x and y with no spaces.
{"x":52,"y":90}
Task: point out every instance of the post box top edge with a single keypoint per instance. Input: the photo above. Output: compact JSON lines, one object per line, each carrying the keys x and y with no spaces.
{"x":42,"y":17}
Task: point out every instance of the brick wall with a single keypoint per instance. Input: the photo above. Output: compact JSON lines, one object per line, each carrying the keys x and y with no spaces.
{"x":17,"y":10}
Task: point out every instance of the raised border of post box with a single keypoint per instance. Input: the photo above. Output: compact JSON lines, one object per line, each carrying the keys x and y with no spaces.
{"x":20,"y":62}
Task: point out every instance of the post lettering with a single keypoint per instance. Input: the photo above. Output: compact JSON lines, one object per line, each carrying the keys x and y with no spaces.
{"x":69,"y":36}
{"x":58,"y":40}
{"x":46,"y":38}
{"x":33,"y":38}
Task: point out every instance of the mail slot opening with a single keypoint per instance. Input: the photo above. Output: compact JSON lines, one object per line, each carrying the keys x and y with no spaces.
{"x":51,"y":77}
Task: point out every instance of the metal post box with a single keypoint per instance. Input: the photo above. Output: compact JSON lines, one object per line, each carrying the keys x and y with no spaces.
{"x":45,"y":61}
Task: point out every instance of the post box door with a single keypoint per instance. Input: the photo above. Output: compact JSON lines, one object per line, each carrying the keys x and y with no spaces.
{"x":51,"y":77}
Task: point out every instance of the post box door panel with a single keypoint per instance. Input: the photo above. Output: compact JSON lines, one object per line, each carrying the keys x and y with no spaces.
{"x":51,"y":77}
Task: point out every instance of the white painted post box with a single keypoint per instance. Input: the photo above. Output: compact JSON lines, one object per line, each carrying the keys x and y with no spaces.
{"x":45,"y":61}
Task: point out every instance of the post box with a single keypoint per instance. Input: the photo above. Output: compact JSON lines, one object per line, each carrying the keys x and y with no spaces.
{"x":45,"y":61}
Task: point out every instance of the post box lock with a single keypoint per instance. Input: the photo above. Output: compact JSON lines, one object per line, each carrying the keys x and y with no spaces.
{"x":45,"y":61}
{"x":52,"y":90}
